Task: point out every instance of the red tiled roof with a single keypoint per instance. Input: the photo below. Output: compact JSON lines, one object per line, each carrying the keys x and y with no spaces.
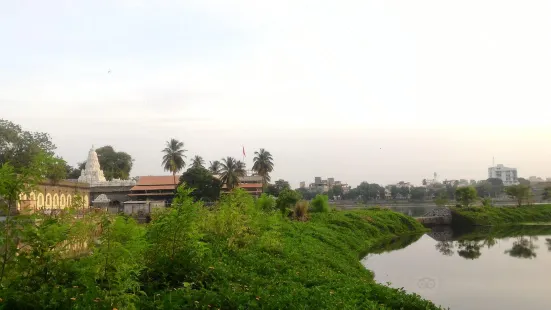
{"x":247,"y":185}
{"x":152,"y":182}
{"x":150,"y":194}
{"x":153,"y":187}
{"x":157,"y":180}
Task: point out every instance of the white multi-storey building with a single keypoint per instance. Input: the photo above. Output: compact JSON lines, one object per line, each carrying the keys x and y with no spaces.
{"x":507,"y":175}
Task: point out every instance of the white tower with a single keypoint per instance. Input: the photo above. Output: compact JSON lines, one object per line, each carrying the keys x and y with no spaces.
{"x":92,"y":173}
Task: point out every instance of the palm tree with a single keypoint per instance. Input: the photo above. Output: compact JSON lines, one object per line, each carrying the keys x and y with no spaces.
{"x":197,"y":161}
{"x":173,"y":160}
{"x":231,"y":170}
{"x":214,"y":167}
{"x":263,"y":165}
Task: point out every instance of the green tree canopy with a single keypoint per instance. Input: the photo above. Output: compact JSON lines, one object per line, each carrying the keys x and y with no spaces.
{"x":214,"y":167}
{"x":418,"y":193}
{"x":466,"y":195}
{"x":173,"y":160}
{"x":197,"y":161}
{"x":519,"y":192}
{"x":231,"y":171}
{"x":287,"y":199}
{"x":205,"y":186}
{"x":263,"y":165}
{"x":20,"y":148}
{"x":115,"y":165}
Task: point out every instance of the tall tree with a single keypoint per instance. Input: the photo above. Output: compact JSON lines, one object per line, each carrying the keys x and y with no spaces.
{"x":21,"y":148}
{"x":205,"y":186}
{"x":263,"y":165}
{"x":197,"y":162}
{"x":519,"y":192}
{"x":231,"y":171}
{"x":115,"y":165}
{"x":173,"y":160}
{"x":215,"y":167}
{"x":466,"y":195}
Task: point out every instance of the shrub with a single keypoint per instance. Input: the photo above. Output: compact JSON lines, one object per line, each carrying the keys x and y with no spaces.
{"x":286,"y":200}
{"x":300,"y":212}
{"x":486,"y":202}
{"x":266,"y":203}
{"x":320,"y":203}
{"x":466,"y":195}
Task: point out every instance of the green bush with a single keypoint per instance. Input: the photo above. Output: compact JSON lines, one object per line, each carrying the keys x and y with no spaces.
{"x":234,"y":255}
{"x":320,"y":203}
{"x":286,"y":200}
{"x":266,"y":203}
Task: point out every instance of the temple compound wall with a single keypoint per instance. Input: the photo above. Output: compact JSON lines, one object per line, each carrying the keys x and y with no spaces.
{"x":50,"y":195}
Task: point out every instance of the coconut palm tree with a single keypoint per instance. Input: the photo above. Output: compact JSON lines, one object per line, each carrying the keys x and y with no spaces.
{"x":214,"y":167}
{"x":231,"y":170}
{"x":263,"y":165}
{"x":197,"y":162}
{"x":173,"y":160}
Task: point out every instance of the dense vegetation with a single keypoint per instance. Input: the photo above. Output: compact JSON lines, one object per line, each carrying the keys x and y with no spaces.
{"x":502,"y":215}
{"x":233,"y":255}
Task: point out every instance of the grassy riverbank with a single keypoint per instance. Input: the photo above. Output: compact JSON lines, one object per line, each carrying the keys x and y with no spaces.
{"x":502,"y":215}
{"x":234,"y":256}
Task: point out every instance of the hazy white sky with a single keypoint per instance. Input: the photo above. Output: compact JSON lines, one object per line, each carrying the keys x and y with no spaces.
{"x":380,"y":91}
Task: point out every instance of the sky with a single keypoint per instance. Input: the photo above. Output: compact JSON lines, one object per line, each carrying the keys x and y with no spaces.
{"x":376,"y":91}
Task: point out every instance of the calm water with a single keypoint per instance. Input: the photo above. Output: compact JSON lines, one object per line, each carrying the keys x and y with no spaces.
{"x":507,"y":268}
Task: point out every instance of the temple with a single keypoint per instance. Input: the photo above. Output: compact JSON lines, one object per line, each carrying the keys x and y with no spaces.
{"x":93,"y":175}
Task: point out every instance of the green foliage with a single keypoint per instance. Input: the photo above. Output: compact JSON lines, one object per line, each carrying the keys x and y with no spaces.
{"x":441,"y":200}
{"x":19,"y":147}
{"x":546,"y":193}
{"x":519,"y":192}
{"x":231,"y":171}
{"x":214,"y":167}
{"x":174,"y":156}
{"x":198,"y":162}
{"x":286,"y":200}
{"x":233,"y":256}
{"x":277,"y":187}
{"x":466,"y":195}
{"x":115,"y":165}
{"x":206,"y":186}
{"x":523,"y":181}
{"x":175,"y":248}
{"x":112,"y":272}
{"x":266,"y":203}
{"x":263,"y":165}
{"x":486,"y":202}
{"x":320,"y":203}
{"x":502,"y":215}
{"x":418,"y":193}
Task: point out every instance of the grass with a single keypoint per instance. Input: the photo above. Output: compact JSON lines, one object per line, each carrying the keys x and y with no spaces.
{"x":306,"y":265}
{"x":493,"y":216}
{"x":234,"y":255}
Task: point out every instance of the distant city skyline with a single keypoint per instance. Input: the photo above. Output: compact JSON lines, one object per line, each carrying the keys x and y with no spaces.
{"x":372,"y":91}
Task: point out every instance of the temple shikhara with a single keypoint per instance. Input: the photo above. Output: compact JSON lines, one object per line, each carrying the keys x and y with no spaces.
{"x":93,"y":175}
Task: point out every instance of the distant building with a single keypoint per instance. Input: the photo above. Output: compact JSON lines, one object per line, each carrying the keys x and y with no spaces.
{"x":251,"y":183}
{"x":323,"y":186}
{"x":302,"y":184}
{"x":507,"y":175}
{"x":534,"y":179}
{"x":154,"y":188}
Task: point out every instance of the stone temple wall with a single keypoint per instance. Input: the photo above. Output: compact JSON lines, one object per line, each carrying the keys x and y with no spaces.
{"x":49,"y":195}
{"x":116,"y":194}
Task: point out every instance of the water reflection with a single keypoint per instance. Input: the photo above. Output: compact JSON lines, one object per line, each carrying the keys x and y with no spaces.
{"x":468,"y":243}
{"x":478,"y":268}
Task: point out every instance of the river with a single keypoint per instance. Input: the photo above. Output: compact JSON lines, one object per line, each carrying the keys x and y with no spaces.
{"x":484,"y":268}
